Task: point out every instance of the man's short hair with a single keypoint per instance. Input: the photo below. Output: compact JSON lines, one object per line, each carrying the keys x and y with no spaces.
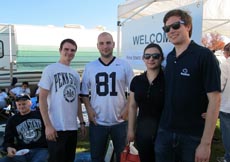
{"x":25,"y":83}
{"x":71,"y":41}
{"x":184,"y":15}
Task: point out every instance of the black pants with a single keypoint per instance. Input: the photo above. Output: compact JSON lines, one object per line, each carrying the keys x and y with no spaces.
{"x":145,"y":138}
{"x":63,"y":150}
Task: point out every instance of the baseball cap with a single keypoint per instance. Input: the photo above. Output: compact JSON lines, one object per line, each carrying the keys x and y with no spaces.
{"x":22,"y":97}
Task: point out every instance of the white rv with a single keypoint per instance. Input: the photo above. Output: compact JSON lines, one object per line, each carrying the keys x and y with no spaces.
{"x":26,"y":49}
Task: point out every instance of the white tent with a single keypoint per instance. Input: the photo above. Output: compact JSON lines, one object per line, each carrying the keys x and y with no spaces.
{"x":142,"y":19}
{"x":216,"y":13}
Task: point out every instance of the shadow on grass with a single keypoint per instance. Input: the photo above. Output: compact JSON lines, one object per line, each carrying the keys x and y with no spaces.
{"x":217,"y":146}
{"x":83,"y":143}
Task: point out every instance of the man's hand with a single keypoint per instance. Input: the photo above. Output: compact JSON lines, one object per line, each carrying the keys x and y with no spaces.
{"x":51,"y":133}
{"x":11,"y":151}
{"x":203,"y":152}
{"x":83,"y":132}
{"x":124,"y":114}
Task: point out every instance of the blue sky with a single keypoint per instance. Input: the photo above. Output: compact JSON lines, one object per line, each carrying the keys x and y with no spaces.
{"x":88,"y":13}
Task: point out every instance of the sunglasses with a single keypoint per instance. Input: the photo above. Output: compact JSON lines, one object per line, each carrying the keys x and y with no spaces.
{"x":155,"y":56}
{"x":175,"y":26}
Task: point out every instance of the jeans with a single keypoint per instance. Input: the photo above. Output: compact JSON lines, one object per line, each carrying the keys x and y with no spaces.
{"x":225,"y":131}
{"x":174,"y":147}
{"x":99,"y":136}
{"x":35,"y":155}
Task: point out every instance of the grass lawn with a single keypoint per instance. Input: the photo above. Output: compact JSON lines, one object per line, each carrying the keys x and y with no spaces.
{"x":83,"y":143}
{"x":217,"y":146}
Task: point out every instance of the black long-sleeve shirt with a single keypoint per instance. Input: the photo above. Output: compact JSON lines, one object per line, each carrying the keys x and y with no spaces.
{"x":25,"y":131}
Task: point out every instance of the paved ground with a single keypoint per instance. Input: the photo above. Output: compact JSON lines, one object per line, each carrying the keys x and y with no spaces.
{"x":82,"y":157}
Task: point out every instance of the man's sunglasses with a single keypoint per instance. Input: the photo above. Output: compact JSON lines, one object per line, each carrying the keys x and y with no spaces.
{"x":175,"y":26}
{"x":155,"y":56}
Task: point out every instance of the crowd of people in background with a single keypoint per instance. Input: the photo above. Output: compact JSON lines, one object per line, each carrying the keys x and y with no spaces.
{"x":161,"y":110}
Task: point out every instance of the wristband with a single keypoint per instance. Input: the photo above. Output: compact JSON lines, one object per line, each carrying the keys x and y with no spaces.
{"x":82,"y":123}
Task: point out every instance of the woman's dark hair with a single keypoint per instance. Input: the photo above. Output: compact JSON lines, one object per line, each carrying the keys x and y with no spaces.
{"x":154,"y":45}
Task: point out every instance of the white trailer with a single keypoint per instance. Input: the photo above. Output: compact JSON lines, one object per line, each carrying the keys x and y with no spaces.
{"x":26,"y":49}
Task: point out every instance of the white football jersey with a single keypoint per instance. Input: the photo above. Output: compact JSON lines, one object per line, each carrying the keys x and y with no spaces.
{"x":107,"y":85}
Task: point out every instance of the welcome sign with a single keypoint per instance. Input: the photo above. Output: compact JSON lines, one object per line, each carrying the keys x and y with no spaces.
{"x":136,"y":34}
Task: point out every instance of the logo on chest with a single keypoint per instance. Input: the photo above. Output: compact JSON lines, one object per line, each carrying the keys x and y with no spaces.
{"x":69,"y":93}
{"x":185,"y":72}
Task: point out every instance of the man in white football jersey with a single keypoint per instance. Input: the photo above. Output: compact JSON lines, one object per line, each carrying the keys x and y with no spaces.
{"x":107,"y":80}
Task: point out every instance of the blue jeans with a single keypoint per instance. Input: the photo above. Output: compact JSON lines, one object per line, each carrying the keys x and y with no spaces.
{"x":174,"y":147}
{"x":99,"y":136}
{"x":35,"y":155}
{"x":225,"y":131}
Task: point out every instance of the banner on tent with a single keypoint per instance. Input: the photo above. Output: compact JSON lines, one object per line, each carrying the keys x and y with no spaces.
{"x":136,"y":34}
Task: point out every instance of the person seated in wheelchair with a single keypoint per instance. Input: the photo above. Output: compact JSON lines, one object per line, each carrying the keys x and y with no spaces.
{"x":24,"y":138}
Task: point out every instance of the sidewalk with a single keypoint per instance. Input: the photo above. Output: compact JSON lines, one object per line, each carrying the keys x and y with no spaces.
{"x":82,"y":157}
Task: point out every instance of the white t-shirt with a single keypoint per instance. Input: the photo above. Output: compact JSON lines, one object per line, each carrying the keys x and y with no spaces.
{"x":37,"y":91}
{"x":225,"y":86}
{"x":3,"y":96}
{"x":63,"y":84}
{"x":20,"y":90}
{"x":108,"y":84}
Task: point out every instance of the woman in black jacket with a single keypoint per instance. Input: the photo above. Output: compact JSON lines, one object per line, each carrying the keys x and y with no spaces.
{"x":146,"y":103}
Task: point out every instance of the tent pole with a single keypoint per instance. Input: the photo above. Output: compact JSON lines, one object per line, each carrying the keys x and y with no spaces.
{"x":10,"y":52}
{"x":118,"y":38}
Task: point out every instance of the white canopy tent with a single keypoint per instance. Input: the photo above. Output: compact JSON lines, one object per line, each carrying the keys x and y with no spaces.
{"x":214,"y":16}
{"x":216,"y":13}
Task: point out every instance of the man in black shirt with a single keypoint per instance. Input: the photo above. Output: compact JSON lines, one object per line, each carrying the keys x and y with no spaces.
{"x":24,"y":138}
{"x":192,"y":78}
